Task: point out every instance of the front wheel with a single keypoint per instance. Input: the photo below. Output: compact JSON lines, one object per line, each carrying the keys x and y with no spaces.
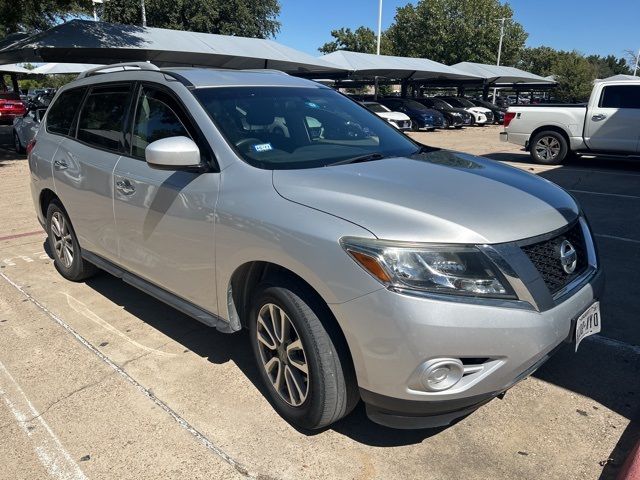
{"x":549,"y":148}
{"x":308,"y":378}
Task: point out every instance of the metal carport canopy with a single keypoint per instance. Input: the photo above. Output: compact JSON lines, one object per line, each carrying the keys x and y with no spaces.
{"x":84,"y":41}
{"x":500,"y":75}
{"x":13,"y":68}
{"x":62,"y":68}
{"x":367,"y":65}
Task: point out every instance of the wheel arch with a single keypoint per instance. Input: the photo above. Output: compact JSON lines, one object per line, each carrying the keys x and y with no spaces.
{"x":549,"y":128}
{"x":44,"y":200}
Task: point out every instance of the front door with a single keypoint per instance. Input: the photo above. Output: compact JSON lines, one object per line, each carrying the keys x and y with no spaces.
{"x":165,"y":219}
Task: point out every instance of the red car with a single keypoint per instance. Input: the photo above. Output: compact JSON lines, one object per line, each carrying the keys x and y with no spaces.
{"x":11,"y":107}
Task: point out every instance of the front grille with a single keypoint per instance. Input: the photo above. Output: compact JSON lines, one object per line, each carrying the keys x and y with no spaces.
{"x":545,"y":256}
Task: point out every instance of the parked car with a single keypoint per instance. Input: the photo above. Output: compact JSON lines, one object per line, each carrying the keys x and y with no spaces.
{"x":422,"y":118}
{"x":10,"y":107}
{"x":607,"y":125}
{"x":40,"y":100}
{"x":498,"y":112}
{"x":26,"y":127}
{"x":482,"y":115}
{"x":454,"y":117}
{"x":397,"y":119}
{"x":364,"y":265}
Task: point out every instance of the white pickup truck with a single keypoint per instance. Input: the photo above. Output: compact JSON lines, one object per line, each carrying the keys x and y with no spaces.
{"x":608,"y":125}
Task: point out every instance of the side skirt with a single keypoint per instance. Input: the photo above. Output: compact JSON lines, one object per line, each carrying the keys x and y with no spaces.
{"x":159,"y":293}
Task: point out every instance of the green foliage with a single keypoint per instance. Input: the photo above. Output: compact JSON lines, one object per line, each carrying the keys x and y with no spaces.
{"x":363,"y":40}
{"x":539,"y":60}
{"x":609,"y":66}
{"x":452,"y":31}
{"x":574,"y":75}
{"x":36,"y":15}
{"x":247,"y":18}
{"x":46,"y":81}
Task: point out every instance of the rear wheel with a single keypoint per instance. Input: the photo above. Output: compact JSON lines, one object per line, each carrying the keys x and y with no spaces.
{"x":548,"y":148}
{"x":64,"y":245}
{"x":17,"y":145}
{"x":308,"y":378}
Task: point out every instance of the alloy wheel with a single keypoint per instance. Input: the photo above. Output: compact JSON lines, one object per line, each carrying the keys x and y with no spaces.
{"x":62,"y":241}
{"x":282,"y":354}
{"x":548,"y":148}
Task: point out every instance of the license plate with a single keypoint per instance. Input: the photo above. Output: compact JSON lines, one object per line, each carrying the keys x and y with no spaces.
{"x":588,"y":323}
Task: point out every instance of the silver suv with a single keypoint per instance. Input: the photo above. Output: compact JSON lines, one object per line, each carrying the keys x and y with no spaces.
{"x":364,"y":266}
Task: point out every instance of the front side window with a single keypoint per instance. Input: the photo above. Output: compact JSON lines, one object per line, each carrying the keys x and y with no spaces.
{"x":156,"y":118}
{"x":299,"y":127}
{"x":63,"y":112}
{"x":102,"y":116}
{"x":620,"y":96}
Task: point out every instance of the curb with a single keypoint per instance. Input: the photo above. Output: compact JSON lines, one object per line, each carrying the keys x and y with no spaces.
{"x":631,"y":468}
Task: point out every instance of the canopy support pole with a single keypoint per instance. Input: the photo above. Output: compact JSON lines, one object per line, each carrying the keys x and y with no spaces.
{"x":403,"y":88}
{"x":3,"y":85}
{"x":485,"y":93}
{"x":376,"y":89}
{"x":14,"y":82}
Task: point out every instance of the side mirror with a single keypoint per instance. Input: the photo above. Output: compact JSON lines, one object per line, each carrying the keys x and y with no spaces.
{"x":173,"y":153}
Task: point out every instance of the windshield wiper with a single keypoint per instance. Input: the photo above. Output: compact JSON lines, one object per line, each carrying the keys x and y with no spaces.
{"x":361,"y":158}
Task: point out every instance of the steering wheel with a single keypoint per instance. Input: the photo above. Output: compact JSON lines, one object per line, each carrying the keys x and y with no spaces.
{"x":243,"y":143}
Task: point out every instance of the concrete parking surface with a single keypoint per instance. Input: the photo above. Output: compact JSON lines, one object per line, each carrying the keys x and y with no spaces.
{"x":98,"y":380}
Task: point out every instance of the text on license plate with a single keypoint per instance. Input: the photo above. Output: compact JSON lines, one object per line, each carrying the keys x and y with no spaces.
{"x":588,"y":323}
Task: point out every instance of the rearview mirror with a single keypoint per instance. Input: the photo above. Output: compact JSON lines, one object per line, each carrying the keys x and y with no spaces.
{"x":173,"y":153}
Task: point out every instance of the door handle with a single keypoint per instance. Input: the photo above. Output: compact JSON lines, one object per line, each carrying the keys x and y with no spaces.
{"x":125,"y":187}
{"x":598,"y":117}
{"x":60,"y":165}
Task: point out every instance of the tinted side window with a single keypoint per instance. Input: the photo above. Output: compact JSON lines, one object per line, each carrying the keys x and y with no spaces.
{"x":156,"y":117}
{"x":63,"y":111}
{"x":102,"y":116}
{"x":620,"y":96}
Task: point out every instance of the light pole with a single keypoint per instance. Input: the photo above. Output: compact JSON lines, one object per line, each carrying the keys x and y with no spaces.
{"x":144,"y":13}
{"x":635,"y":70}
{"x":501,"y":20}
{"x":376,"y":88}
{"x":95,"y":12}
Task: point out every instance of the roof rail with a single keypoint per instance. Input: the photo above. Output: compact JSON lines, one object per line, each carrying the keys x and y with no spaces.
{"x":138,"y":65}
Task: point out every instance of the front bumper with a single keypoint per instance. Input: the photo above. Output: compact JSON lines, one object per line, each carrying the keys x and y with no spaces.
{"x":391,"y":335}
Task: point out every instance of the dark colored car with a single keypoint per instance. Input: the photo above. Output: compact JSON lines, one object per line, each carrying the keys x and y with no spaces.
{"x":498,"y":112}
{"x":11,"y":107}
{"x":455,"y":117}
{"x":461,"y":102}
{"x":423,"y":118}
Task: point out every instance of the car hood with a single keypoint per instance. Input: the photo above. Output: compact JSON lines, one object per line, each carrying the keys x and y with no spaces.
{"x":440,"y":196}
{"x":393,"y":115}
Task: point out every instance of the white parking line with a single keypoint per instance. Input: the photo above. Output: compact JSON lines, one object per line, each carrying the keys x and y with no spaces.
{"x":619,"y":195}
{"x":48,"y":448}
{"x":613,"y":237}
{"x":85,"y":311}
{"x":200,"y":437}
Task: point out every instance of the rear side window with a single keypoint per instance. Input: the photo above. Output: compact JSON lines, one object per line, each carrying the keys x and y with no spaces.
{"x":157,"y":117}
{"x":63,"y":112}
{"x":620,"y":96}
{"x":102,"y":116}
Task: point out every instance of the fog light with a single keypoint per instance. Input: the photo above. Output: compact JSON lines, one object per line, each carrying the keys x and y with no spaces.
{"x":441,"y":374}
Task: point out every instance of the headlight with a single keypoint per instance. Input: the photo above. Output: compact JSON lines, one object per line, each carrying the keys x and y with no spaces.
{"x":449,"y":269}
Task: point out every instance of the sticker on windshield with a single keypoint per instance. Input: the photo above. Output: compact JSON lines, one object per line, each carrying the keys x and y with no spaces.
{"x":262,"y":147}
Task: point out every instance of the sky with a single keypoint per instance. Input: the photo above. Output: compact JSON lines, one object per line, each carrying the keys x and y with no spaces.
{"x":589,"y":26}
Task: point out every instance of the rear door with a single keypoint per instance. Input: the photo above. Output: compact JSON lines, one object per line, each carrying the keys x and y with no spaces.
{"x":613,"y":122}
{"x":165,"y":219}
{"x":84,"y":162}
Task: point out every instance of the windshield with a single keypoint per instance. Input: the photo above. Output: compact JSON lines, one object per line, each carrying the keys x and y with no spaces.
{"x":436,"y":102}
{"x":466,"y":103}
{"x":376,"y":107}
{"x":299,"y":127}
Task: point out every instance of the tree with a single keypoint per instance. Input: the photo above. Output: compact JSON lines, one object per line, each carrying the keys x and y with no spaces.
{"x":247,"y":18}
{"x":574,"y":75}
{"x":363,"y":40}
{"x":37,"y":15}
{"x":538,"y":60}
{"x":608,"y":66}
{"x":452,"y":31}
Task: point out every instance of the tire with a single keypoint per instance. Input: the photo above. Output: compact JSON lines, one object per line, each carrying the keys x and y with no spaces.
{"x":17,"y":145}
{"x":458,"y":127}
{"x":548,"y":148}
{"x":329,"y":390}
{"x":67,"y":256}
